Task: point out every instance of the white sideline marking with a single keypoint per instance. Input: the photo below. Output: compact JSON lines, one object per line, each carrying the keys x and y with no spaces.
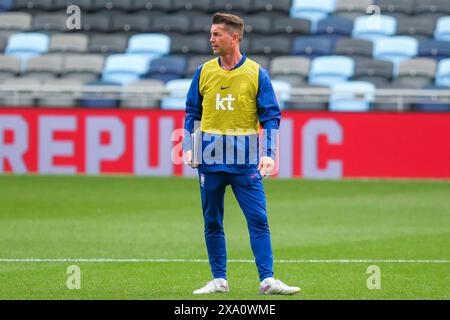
{"x":105,"y":260}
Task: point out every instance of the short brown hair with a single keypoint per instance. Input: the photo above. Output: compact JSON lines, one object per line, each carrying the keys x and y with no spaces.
{"x":233,"y":22}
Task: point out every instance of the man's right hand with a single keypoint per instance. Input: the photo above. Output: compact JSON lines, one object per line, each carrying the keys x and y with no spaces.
{"x":187,"y":159}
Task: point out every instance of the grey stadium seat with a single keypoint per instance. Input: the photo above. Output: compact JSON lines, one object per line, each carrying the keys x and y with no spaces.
{"x":441,"y":7}
{"x":44,"y":67}
{"x":120,"y":5}
{"x":290,"y":66}
{"x":69,"y":43}
{"x":352,"y":8}
{"x":270,"y":45}
{"x":231,"y":5}
{"x":108,"y":44}
{"x":197,"y":5}
{"x":309,"y":106}
{"x":397,"y":8}
{"x":281,"y":6}
{"x":292,"y":26}
{"x":131,"y":23}
{"x":85,"y":5}
{"x":50,"y":22}
{"x":19,"y":99}
{"x":95,"y":22}
{"x":83,"y":67}
{"x":153,"y":5}
{"x":43,"y":5}
{"x":263,"y":61}
{"x":377,"y":72}
{"x":201,"y":24}
{"x":144,"y":101}
{"x":354,"y":48}
{"x":10,"y":66}
{"x":416,"y":73}
{"x":62,"y":97}
{"x":195,"y":44}
{"x":194,"y":62}
{"x":258,"y":24}
{"x":416,"y":27}
{"x":15,"y":21}
{"x":172,"y":23}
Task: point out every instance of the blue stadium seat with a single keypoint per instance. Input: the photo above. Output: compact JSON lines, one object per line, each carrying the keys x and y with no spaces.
{"x":124,"y":69}
{"x":352,"y":96}
{"x":366,"y":27}
{"x":312,"y":47}
{"x":26,"y":45}
{"x":282,"y":91}
{"x":167,"y":68}
{"x":178,"y":90}
{"x":5,"y":5}
{"x":395,"y":49}
{"x":313,"y":10}
{"x":433,"y":107}
{"x":335,"y":26}
{"x":330,"y":70}
{"x":443,"y":73}
{"x":152,"y":45}
{"x":442,"y":31}
{"x":436,"y":49}
{"x":94,"y":99}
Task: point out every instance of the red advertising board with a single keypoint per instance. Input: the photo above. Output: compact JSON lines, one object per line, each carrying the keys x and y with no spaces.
{"x":147,"y":142}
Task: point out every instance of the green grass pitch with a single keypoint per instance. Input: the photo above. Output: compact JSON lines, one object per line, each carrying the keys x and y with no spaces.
{"x":160,"y":218}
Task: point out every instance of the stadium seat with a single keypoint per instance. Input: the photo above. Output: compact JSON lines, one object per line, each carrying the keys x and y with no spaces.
{"x":434,"y":48}
{"x":151,"y":5}
{"x":272,"y":6}
{"x":149,"y":44}
{"x":396,"y":8}
{"x":236,"y":6}
{"x":416,"y":73}
{"x":282,"y":90}
{"x":100,"y":99}
{"x":171,"y":23}
{"x":365,"y":27}
{"x":258,"y":24}
{"x":6,"y":5}
{"x":85,"y":5}
{"x":10,"y":66}
{"x":201,"y":24}
{"x":190,"y":44}
{"x":395,"y":49}
{"x":119,"y":5}
{"x":439,"y":7}
{"x":86,"y":68}
{"x":94,"y":22}
{"x":124,"y":69}
{"x":131,"y":23}
{"x":191,"y":5}
{"x":310,"y":104}
{"x":26,"y":45}
{"x":433,"y":106}
{"x":19,"y":99}
{"x":335,"y":27}
{"x":69,"y":43}
{"x":194,"y":62}
{"x":442,"y":31}
{"x":167,"y":68}
{"x":44,"y":67}
{"x":15,"y":21}
{"x":312,"y":10}
{"x":291,"y":69}
{"x":49,"y":22}
{"x":270,"y":45}
{"x":61,"y":95}
{"x":290,"y":26}
{"x":377,"y":72}
{"x":354,"y":48}
{"x":312,"y":47}
{"x":352,"y":96}
{"x":416,"y":27}
{"x":154,"y":91}
{"x":177,"y":90}
{"x":330,"y":70}
{"x":443,"y":73}
{"x":262,"y":60}
{"x":351,"y":9}
{"x":33,"y":5}
{"x":108,"y":44}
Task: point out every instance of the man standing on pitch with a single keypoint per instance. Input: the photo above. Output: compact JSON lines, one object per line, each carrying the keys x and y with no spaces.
{"x":232,"y":95}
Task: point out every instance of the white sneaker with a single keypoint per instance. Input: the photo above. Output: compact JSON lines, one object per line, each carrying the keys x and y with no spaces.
{"x":216,"y":285}
{"x":272,"y":286}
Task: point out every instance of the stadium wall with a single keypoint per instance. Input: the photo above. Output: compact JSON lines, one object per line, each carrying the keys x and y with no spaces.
{"x":318,"y":145}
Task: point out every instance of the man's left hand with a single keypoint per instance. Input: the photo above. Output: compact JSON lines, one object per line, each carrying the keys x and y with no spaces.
{"x":266,"y":166}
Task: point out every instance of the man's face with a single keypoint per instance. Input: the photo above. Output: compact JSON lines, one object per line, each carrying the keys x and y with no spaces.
{"x":221,"y":39}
